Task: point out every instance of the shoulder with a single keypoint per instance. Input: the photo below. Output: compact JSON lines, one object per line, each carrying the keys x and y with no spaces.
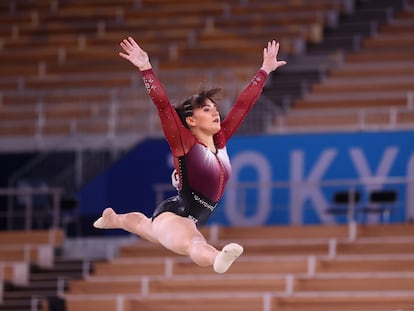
{"x":220,"y":139}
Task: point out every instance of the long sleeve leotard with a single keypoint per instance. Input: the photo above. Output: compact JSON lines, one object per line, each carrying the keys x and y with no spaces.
{"x":203,"y":174}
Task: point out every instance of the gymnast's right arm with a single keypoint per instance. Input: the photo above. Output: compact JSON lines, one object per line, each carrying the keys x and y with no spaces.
{"x":173,"y":129}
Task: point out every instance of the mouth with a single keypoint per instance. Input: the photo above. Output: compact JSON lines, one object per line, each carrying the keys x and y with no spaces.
{"x":216,"y":120}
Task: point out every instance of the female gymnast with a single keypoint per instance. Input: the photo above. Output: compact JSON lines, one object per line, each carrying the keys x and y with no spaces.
{"x":197,"y":138}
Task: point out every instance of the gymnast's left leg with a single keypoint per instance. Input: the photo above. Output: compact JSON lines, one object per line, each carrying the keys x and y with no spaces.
{"x":180,"y":235}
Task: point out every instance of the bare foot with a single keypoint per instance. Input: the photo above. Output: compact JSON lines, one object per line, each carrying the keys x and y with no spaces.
{"x":107,"y":221}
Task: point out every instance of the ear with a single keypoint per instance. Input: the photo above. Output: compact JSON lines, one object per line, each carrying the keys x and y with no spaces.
{"x":190,"y":121}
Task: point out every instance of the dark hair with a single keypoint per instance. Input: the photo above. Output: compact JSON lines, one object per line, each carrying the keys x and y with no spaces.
{"x":186,"y":108}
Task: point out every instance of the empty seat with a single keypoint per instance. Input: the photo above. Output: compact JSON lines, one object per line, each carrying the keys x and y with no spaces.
{"x":345,"y":202}
{"x":381,"y":202}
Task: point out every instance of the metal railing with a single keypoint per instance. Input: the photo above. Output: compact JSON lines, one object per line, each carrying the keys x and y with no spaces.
{"x":238,"y":193}
{"x":26,"y":198}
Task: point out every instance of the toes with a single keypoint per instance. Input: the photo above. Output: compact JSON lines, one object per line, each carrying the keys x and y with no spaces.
{"x":99,"y":223}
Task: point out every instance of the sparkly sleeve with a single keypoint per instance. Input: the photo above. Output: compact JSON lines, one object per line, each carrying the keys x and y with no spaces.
{"x":242,"y":106}
{"x":178,"y":136}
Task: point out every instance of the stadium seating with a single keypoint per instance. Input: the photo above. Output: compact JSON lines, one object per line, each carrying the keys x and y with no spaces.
{"x":73,"y":61}
{"x":371,"y":271}
{"x":61,"y":76}
{"x":37,"y":237}
{"x":60,"y":69}
{"x":369,"y":89}
{"x":20,"y":251}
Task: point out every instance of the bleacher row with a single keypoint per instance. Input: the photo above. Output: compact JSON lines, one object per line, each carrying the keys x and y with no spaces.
{"x":283,"y":268}
{"x":32,"y":270}
{"x":301,"y":268}
{"x":61,"y":75}
{"x":20,"y":251}
{"x":371,"y":88}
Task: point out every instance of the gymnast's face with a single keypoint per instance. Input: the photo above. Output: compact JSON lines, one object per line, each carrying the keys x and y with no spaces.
{"x":205,"y":118}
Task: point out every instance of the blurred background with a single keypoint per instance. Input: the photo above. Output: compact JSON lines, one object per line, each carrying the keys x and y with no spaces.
{"x":328,"y":147}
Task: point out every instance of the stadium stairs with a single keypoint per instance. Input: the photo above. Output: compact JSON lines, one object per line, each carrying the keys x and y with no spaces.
{"x":34,"y":272}
{"x":306,"y":268}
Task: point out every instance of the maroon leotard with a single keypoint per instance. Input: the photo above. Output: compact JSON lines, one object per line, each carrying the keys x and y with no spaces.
{"x":203,"y":174}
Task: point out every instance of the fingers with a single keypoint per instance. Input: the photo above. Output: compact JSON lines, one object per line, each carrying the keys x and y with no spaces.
{"x":129,"y":45}
{"x":132,"y":42}
{"x":272,"y":47}
{"x":123,"y":55}
{"x":281,"y":63}
{"x":276,"y":47}
{"x":126,"y":45}
{"x":270,"y":57}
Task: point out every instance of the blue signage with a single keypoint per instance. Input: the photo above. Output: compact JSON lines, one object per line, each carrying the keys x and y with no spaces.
{"x":291,"y":179}
{"x":280,"y":179}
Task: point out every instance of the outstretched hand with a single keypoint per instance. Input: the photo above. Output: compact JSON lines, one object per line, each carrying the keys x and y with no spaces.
{"x":135,"y":54}
{"x":270,"y":62}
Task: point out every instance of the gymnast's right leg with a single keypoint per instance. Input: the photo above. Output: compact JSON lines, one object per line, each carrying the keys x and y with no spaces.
{"x":134,"y":222}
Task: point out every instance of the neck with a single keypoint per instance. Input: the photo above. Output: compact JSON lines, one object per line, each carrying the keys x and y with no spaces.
{"x":206,"y":140}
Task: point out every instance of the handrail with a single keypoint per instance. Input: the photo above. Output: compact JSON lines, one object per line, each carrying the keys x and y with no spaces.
{"x":28,"y":193}
{"x":161,"y":189}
